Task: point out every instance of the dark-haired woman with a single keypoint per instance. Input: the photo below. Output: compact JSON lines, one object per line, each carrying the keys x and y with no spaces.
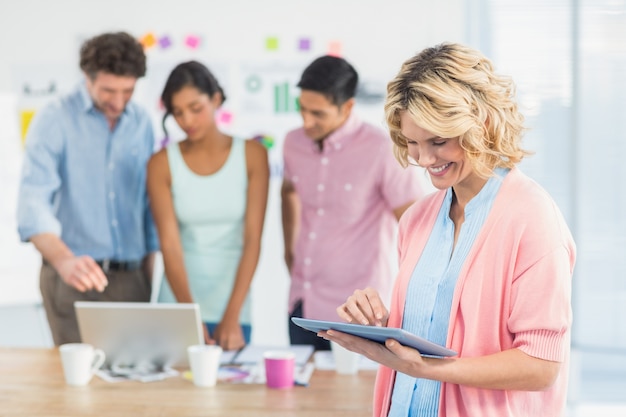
{"x":208,"y":197}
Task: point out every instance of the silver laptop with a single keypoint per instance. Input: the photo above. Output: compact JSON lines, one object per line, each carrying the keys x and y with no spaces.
{"x":133,"y":333}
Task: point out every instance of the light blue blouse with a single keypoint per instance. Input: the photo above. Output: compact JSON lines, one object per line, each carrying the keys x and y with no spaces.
{"x":430,"y":291}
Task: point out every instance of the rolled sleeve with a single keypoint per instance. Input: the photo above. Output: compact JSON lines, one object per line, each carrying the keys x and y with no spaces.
{"x":40,"y":178}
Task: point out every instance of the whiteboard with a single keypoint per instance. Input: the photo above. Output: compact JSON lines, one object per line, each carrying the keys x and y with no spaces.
{"x":255,"y":49}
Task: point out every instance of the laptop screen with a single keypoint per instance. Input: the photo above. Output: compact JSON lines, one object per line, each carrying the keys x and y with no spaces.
{"x":133,"y":333}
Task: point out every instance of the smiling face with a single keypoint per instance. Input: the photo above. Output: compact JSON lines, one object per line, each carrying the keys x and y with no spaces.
{"x":194,"y":111}
{"x":443,"y":158}
{"x":110,"y":93}
{"x":321,"y":117}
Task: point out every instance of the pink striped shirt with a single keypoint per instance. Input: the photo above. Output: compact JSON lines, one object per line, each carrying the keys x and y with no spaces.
{"x":348,"y":192}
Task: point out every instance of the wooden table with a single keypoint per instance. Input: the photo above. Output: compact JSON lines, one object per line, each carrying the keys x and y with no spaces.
{"x":32,"y":385}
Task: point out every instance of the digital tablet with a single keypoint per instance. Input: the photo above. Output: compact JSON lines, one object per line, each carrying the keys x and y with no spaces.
{"x":377,"y":334}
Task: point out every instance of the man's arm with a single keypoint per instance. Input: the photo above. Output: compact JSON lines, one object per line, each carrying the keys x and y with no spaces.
{"x":36,"y":219}
{"x":290,"y":205}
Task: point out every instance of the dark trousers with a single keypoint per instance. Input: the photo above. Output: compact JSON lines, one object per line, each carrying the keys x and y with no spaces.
{"x":58,"y":298}
{"x":300,"y":336}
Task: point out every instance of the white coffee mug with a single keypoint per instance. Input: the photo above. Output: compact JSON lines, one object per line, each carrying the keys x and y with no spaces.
{"x":80,"y":361}
{"x":346,"y":361}
{"x":204,"y":361}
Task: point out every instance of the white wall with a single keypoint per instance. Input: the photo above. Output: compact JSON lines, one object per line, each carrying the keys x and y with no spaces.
{"x":39,"y":42}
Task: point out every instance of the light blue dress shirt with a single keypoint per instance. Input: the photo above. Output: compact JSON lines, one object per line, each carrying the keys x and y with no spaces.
{"x":85,"y":183}
{"x":430,"y":291}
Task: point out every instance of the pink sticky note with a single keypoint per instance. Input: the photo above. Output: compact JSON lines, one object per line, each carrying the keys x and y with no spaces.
{"x":225,"y":117}
{"x":334,"y":48}
{"x":192,"y":41}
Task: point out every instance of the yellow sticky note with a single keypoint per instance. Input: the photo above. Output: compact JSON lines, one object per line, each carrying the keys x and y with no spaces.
{"x":271,"y":44}
{"x":26,"y":116}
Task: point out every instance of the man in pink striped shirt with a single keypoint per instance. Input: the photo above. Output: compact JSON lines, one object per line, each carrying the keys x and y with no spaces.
{"x":342,"y":195}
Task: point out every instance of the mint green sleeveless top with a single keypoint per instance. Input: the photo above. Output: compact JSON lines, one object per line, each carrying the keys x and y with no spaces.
{"x":210,"y":210}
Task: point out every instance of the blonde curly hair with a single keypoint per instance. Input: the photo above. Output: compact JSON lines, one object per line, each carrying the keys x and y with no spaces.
{"x":452,"y":91}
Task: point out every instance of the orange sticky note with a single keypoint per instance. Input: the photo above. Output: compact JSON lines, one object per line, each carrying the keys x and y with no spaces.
{"x":148,"y":40}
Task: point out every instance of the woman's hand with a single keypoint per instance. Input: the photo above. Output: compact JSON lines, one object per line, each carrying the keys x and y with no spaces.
{"x":364,"y":307}
{"x":228,"y":335}
{"x":391,"y":354}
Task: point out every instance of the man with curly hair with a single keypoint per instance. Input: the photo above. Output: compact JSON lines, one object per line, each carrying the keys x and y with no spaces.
{"x":82,"y":199}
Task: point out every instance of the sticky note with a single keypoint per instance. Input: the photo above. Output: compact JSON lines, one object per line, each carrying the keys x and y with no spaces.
{"x":148,"y":40}
{"x":192,"y":41}
{"x":334,"y":48}
{"x":271,"y":44}
{"x":165,"y":42}
{"x":304,"y":44}
{"x":225,"y":117}
{"x":265,"y":140}
{"x":164,"y":142}
{"x":26,"y":116}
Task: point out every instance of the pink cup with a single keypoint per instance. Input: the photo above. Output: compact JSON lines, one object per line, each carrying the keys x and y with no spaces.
{"x":279,"y":369}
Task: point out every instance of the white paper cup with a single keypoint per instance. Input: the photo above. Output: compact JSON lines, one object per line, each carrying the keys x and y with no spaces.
{"x":346,"y":361}
{"x":204,"y":361}
{"x":80,"y":361}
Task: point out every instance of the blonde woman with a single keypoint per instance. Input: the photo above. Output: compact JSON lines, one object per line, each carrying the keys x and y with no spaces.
{"x":485,"y":262}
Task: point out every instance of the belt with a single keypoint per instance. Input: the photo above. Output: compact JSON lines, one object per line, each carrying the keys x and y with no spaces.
{"x":112,"y":265}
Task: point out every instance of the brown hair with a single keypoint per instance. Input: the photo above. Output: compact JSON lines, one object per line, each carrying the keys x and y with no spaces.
{"x":115,"y":53}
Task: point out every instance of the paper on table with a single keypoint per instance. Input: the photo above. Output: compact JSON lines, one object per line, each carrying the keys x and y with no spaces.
{"x":255,"y":374}
{"x":228,"y":356}
{"x":109,"y":375}
{"x":254,"y":354}
{"x":324,"y":361}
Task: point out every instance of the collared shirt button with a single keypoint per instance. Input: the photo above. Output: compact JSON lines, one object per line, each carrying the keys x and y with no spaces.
{"x":320,"y":187}
{"x":348,"y":187}
{"x":324,"y":161}
{"x":337,"y":146}
{"x":307,"y":285}
{"x":294,"y":178}
{"x":307,"y":261}
{"x":114,"y":223}
{"x":320,"y":211}
{"x":112,"y":195}
{"x":312,"y":235}
{"x":111,"y":166}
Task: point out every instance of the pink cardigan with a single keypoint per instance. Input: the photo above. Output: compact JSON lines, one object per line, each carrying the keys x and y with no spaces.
{"x":513,"y":291}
